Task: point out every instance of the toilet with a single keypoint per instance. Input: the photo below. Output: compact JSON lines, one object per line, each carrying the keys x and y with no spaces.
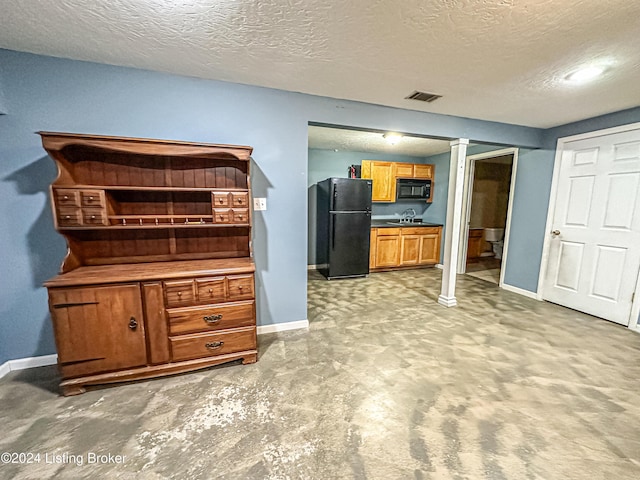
{"x":495,"y":237}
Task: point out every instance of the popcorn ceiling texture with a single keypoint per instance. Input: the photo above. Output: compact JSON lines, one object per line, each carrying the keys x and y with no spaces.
{"x":494,"y":60}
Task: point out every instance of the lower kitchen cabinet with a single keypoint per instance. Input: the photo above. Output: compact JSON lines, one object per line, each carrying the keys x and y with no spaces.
{"x":387,"y":247}
{"x":404,"y":247}
{"x":116,"y":323}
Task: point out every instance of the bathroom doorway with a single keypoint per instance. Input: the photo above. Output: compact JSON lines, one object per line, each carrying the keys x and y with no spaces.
{"x":489,"y":184}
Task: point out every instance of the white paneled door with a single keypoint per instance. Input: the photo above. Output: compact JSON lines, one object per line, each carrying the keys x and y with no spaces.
{"x":594,"y":253}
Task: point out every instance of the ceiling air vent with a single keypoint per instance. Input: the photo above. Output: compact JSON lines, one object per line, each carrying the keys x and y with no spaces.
{"x":423,"y":96}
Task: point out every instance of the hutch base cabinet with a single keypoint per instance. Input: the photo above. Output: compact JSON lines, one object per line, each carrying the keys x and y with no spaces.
{"x":159,"y":276}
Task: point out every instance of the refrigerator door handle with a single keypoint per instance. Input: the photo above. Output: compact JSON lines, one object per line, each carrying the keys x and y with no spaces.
{"x":333,"y":231}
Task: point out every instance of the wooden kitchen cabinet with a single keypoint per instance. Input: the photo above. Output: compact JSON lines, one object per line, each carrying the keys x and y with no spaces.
{"x":382,"y":175}
{"x":404,"y":170}
{"x":475,"y":244}
{"x":387,"y":247}
{"x":423,"y":171}
{"x":385,"y":174}
{"x":409,"y":249}
{"x":159,"y":275}
{"x":404,"y":247}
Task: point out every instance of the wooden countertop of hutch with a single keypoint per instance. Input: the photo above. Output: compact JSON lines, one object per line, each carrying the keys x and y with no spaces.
{"x":94,"y":275}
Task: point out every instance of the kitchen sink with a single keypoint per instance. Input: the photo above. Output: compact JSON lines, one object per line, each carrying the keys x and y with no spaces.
{"x":404,"y":223}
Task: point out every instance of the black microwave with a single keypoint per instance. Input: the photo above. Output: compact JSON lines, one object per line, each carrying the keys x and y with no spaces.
{"x":413,"y":189}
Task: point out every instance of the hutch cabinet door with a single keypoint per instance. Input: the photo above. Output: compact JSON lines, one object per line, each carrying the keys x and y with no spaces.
{"x":98,"y":329}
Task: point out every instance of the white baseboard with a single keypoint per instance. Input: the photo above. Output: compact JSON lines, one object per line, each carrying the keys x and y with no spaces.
{"x":520,"y":291}
{"x":317,"y":267}
{"x":32,"y":362}
{"x":447,"y":301}
{"x":440,"y":266}
{"x":283,"y":327}
{"x":29,"y":362}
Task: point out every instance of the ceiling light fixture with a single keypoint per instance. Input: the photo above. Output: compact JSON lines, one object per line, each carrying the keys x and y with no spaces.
{"x":585,"y":74}
{"x":392,"y":138}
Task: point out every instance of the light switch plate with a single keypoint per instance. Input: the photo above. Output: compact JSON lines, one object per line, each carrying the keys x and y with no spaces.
{"x":259,"y":204}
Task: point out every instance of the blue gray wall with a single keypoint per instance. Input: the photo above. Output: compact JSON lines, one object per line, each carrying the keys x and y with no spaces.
{"x":45,"y":93}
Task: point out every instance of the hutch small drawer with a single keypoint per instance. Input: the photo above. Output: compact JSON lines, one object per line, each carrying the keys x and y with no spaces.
{"x":66,"y":197}
{"x":240,"y":215}
{"x":240,"y":287}
{"x":211,"y":290}
{"x":179,"y":293}
{"x":92,"y":198}
{"x":69,"y":217}
{"x":239,"y":199}
{"x":222,"y":215}
{"x":221,"y":199}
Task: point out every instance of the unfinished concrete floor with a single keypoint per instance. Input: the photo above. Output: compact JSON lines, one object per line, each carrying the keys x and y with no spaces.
{"x":385,"y":384}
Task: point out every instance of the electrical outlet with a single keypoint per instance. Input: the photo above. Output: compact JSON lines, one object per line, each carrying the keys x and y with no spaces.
{"x":259,"y":204}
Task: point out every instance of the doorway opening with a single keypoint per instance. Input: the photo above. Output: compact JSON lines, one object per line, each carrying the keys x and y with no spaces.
{"x":489,"y":183}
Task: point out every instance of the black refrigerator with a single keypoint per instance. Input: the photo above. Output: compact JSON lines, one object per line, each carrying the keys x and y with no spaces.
{"x":344,"y":227}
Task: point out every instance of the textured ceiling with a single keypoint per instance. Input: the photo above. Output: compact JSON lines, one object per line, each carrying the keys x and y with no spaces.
{"x":372,"y":142}
{"x":501,"y":60}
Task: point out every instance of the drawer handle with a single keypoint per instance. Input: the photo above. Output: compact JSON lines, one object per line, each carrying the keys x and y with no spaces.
{"x":212,"y":319}
{"x":179,"y":294}
{"x":91,"y":199}
{"x":66,"y":197}
{"x":214,"y":345}
{"x":133,"y":324}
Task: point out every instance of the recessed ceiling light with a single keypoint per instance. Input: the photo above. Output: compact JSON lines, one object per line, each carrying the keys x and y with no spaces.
{"x":585,"y":74}
{"x":392,"y":138}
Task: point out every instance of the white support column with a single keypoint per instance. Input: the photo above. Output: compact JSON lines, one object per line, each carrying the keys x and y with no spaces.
{"x":454,"y":217}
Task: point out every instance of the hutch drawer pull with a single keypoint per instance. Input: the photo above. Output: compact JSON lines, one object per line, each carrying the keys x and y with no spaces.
{"x":66,"y":197}
{"x":214,"y":345}
{"x":133,"y":324}
{"x":211,"y":319}
{"x":179,"y":294}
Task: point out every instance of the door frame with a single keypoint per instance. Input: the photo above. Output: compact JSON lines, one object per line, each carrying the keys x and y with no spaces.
{"x":466,"y":206}
{"x":546,"y":246}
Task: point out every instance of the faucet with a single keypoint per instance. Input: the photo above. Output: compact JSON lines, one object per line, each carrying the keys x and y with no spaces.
{"x":408,"y":215}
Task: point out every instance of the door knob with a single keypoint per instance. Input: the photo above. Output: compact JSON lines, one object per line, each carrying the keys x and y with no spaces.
{"x":555,"y":233}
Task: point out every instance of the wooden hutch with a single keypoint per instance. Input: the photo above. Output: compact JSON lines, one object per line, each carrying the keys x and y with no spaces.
{"x":159,"y":276}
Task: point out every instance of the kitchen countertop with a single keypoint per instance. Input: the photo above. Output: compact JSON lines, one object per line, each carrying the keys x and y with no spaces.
{"x":394,"y":223}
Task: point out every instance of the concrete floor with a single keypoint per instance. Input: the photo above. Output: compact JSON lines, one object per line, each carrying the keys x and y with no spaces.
{"x":385,"y":384}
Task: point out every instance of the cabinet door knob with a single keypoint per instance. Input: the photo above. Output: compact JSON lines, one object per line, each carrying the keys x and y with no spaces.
{"x":179,"y":294}
{"x":213,"y":345}
{"x":66,"y":197}
{"x":211,"y":290}
{"x":133,"y":324}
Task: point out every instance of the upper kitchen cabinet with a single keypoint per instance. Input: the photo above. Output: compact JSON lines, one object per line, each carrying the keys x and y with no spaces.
{"x":414,"y":170}
{"x":383,"y":176}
